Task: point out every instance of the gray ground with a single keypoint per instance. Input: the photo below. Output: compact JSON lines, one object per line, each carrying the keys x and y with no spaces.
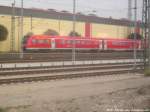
{"x":97,"y":94}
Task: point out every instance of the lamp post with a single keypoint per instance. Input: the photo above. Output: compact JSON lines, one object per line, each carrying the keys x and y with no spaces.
{"x":74,"y":26}
{"x":21,"y":30}
{"x":148,"y":34}
{"x":59,"y":23}
{"x":135,"y":36}
{"x":12,"y":47}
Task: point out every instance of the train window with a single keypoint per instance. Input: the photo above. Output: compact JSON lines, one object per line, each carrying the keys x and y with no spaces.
{"x":62,"y":41}
{"x":119,"y":43}
{"x":78,"y":41}
{"x":65,"y":41}
{"x":82,"y":42}
{"x":88,"y":42}
{"x":68,"y":41}
{"x":46,"y":41}
{"x":41,"y":41}
{"x":33,"y":41}
{"x":91,"y":42}
{"x":95,"y":42}
{"x":73,"y":41}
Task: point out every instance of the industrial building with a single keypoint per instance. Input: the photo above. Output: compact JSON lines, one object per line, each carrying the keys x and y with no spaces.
{"x":39,"y":21}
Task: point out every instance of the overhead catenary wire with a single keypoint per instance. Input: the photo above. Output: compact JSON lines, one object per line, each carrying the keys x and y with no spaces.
{"x":66,"y":5}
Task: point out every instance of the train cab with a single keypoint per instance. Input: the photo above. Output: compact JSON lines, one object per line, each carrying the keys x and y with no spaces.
{"x":38,"y":42}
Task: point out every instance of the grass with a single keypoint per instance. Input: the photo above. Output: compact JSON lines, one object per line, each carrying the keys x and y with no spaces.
{"x":2,"y":110}
{"x":147,"y":72}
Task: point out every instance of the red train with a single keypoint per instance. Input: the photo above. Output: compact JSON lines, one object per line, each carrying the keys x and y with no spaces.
{"x":41,"y":42}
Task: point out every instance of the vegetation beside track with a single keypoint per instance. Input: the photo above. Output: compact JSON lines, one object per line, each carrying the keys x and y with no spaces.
{"x":147,"y":72}
{"x":2,"y":110}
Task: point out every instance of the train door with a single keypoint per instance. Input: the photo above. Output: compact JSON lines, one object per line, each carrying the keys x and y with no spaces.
{"x":104,"y":44}
{"x":53,"y":43}
{"x":100,"y":44}
{"x":139,"y":45}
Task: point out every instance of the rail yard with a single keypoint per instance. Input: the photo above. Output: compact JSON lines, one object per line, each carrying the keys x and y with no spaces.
{"x":67,"y":56}
{"x":42,"y":74}
{"x":64,"y":60}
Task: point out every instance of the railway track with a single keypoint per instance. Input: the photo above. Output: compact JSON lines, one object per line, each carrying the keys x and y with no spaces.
{"x":43,"y":57}
{"x":60,"y":59}
{"x":61,"y":69}
{"x":66,"y":72}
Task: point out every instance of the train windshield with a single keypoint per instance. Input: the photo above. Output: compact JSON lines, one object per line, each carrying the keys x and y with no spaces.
{"x":25,"y":39}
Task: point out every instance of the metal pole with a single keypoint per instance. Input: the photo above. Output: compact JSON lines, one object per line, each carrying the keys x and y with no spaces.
{"x":148,"y":33}
{"x":59,"y":22}
{"x":129,"y":9}
{"x":74,"y":26}
{"x":144,"y":31}
{"x":12,"y":47}
{"x":135,"y":17}
{"x":31,"y":23}
{"x":21,"y":30}
{"x":129,"y":15}
{"x":18,"y":34}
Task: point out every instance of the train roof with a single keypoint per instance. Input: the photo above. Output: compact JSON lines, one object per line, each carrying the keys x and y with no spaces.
{"x":81,"y":38}
{"x":66,"y":37}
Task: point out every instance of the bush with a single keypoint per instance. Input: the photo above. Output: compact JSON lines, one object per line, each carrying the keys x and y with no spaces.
{"x":51,"y":32}
{"x":138,"y":36}
{"x":147,"y":72}
{"x":74,"y":34}
{"x":2,"y":110}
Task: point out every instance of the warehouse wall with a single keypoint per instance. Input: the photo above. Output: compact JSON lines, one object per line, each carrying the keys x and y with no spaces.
{"x":37,"y":26}
{"x":109,"y":31}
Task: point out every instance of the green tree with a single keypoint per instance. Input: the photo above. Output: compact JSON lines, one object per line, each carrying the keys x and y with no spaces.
{"x":51,"y":32}
{"x":3,"y":33}
{"x":74,"y":34}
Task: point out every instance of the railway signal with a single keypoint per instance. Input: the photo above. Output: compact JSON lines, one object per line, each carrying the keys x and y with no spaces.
{"x":21,"y":31}
{"x":135,"y":35}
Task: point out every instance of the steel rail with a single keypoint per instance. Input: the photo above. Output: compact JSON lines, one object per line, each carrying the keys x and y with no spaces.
{"x":62,"y":69}
{"x":66,"y":76}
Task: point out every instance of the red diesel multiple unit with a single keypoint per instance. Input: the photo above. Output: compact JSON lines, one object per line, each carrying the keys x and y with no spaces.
{"x":39,"y":42}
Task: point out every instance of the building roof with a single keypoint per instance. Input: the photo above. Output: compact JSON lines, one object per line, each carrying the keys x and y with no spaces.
{"x":63,"y":15}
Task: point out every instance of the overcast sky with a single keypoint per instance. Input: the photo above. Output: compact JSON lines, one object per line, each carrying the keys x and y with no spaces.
{"x":103,"y":8}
